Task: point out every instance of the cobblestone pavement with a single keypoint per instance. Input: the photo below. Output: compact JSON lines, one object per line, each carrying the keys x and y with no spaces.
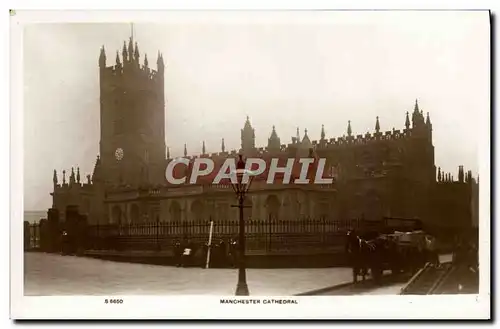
{"x":49,"y":274}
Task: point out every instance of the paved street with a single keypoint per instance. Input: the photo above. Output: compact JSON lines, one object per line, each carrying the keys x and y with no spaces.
{"x":48,"y":274}
{"x":389,"y":287}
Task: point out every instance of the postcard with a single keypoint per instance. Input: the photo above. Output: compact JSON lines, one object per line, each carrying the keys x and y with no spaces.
{"x":250,"y":165}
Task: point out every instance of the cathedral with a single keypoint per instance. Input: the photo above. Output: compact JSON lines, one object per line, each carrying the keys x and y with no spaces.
{"x":376,"y":175}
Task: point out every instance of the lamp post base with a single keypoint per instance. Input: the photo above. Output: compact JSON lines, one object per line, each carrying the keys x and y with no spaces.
{"x":242,"y":289}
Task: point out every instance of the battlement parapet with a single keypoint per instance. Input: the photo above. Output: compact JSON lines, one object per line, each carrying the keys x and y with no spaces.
{"x":117,"y":72}
{"x":67,"y":187}
{"x":361,"y":139}
{"x":325,"y":144}
{"x":232,"y":153}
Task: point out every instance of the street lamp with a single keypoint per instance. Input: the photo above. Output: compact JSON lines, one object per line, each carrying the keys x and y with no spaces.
{"x":243,"y":181}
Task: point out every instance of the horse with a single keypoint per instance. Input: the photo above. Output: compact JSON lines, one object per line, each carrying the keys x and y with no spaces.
{"x":360,"y":251}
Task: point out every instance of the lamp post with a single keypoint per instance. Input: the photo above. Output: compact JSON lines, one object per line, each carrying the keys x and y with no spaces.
{"x":243,"y":181}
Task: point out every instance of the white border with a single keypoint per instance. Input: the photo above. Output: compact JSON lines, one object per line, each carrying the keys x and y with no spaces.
{"x":188,"y":307}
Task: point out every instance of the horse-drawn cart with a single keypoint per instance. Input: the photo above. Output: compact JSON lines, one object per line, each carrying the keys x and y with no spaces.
{"x":375,"y":252}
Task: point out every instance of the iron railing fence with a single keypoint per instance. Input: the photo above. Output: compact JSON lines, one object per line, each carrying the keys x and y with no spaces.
{"x":261,"y":235}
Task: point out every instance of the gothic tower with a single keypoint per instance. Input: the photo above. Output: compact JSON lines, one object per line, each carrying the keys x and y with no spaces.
{"x":422,"y":158}
{"x":132,"y":141}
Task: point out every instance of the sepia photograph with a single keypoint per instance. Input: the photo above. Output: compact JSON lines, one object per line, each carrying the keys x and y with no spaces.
{"x":252,"y":160}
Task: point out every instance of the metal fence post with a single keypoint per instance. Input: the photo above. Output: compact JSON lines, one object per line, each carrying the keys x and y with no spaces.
{"x":158,"y":246}
{"x":270,"y":232}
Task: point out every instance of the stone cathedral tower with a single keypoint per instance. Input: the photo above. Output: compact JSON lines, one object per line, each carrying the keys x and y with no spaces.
{"x":132,"y":141}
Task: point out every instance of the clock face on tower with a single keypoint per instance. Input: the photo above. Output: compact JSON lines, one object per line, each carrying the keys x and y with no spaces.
{"x":119,"y":154}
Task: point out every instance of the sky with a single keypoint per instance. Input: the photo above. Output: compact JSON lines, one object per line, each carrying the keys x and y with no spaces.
{"x":289,"y":70}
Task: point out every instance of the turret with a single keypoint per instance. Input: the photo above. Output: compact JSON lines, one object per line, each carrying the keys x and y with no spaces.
{"x":78,"y":175}
{"x":349,"y":129}
{"x":124,"y":53}
{"x":377,"y":126}
{"x":306,"y":142}
{"x":323,"y":135}
{"x":407,"y":121}
{"x":273,"y":142}
{"x":439,"y":174}
{"x":72,"y":177}
{"x":54,"y":178}
{"x":64,"y":177}
{"x":203,"y":150}
{"x":461,"y":174}
{"x":118,"y":63}
{"x":417,"y":117}
{"x":223,"y":147}
{"x":102,"y":58}
{"x":159,"y":63}
{"x":136,"y":53}
{"x":185,"y":150}
{"x":247,"y":137}
{"x":130,"y":49}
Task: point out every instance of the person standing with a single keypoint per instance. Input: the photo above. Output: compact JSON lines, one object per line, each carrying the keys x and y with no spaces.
{"x":233,"y":252}
{"x":432,"y":254}
{"x":177,"y":253}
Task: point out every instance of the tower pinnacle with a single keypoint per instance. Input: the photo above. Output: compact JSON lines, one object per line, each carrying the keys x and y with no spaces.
{"x":136,"y":53}
{"x":102,"y":58}
{"x":159,"y":62}
{"x":124,"y":52}
{"x":130,"y":49}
